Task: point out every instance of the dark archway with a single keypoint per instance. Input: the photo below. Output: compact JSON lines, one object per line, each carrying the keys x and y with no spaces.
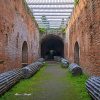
{"x":52,"y":46}
{"x":76,"y":53}
{"x":24,"y":54}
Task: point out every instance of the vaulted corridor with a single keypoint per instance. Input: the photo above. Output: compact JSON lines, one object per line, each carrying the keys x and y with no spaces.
{"x":49,"y":49}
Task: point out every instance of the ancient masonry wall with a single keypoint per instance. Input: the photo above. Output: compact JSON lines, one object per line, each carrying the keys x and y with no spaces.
{"x":84,"y":27}
{"x":16,"y":27}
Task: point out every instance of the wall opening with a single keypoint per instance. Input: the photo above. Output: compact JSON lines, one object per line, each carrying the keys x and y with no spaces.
{"x":76,"y":53}
{"x":24,"y":54}
{"x":52,"y":46}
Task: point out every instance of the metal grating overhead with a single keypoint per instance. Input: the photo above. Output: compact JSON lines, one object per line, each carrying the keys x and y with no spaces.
{"x":51,"y":13}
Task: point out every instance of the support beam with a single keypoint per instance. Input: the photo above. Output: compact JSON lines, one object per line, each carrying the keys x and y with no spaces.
{"x":53,"y":8}
{"x":51,"y":3}
{"x":52,"y":17}
{"x":52,"y":11}
{"x":51,"y":14}
{"x":51,"y":22}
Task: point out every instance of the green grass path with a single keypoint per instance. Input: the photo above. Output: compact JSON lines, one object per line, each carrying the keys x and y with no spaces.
{"x":51,"y":83}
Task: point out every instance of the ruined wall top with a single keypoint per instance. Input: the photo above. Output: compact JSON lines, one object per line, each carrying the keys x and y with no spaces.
{"x":57,"y":32}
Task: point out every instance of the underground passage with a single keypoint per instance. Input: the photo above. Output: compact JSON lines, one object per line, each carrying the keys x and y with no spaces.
{"x":49,"y":49}
{"x":52,"y":46}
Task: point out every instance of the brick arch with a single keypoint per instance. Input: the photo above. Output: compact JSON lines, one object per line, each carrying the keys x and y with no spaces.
{"x":76,"y":53}
{"x":24,"y":54}
{"x":54,"y":44}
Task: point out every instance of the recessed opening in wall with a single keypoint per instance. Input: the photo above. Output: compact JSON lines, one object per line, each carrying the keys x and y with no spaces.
{"x":76,"y":53}
{"x":52,"y":46}
{"x":24,"y":54}
{"x":6,"y":39}
{"x":17,"y":37}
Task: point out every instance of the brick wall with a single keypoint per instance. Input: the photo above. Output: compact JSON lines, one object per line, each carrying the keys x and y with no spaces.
{"x":84,"y":27}
{"x":16,"y":26}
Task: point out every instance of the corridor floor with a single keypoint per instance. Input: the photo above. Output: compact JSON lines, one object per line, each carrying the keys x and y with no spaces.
{"x":55,"y":86}
{"x":51,"y":85}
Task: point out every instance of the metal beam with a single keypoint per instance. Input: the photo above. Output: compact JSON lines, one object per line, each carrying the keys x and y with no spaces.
{"x":49,"y":22}
{"x":43,"y":22}
{"x":52,"y":15}
{"x":46,"y":14}
{"x":52,"y":20}
{"x":54,"y":27}
{"x":53,"y":23}
{"x":56,"y":23}
{"x":50,"y":25}
{"x":53,"y":8}
{"x":52,"y":11}
{"x":51,"y":3}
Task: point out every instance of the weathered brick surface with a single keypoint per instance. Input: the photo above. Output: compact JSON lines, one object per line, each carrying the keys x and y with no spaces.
{"x":16,"y":26}
{"x":84,"y":27}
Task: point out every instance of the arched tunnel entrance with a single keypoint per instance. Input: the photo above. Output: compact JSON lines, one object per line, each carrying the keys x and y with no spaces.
{"x":52,"y":46}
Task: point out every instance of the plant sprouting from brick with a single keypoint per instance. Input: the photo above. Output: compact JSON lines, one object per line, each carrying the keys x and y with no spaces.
{"x":76,"y":2}
{"x":42,"y":30}
{"x":28,"y":9}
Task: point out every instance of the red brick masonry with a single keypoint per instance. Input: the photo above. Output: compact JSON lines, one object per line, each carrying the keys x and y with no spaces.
{"x":16,"y":26}
{"x":84,"y":27}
